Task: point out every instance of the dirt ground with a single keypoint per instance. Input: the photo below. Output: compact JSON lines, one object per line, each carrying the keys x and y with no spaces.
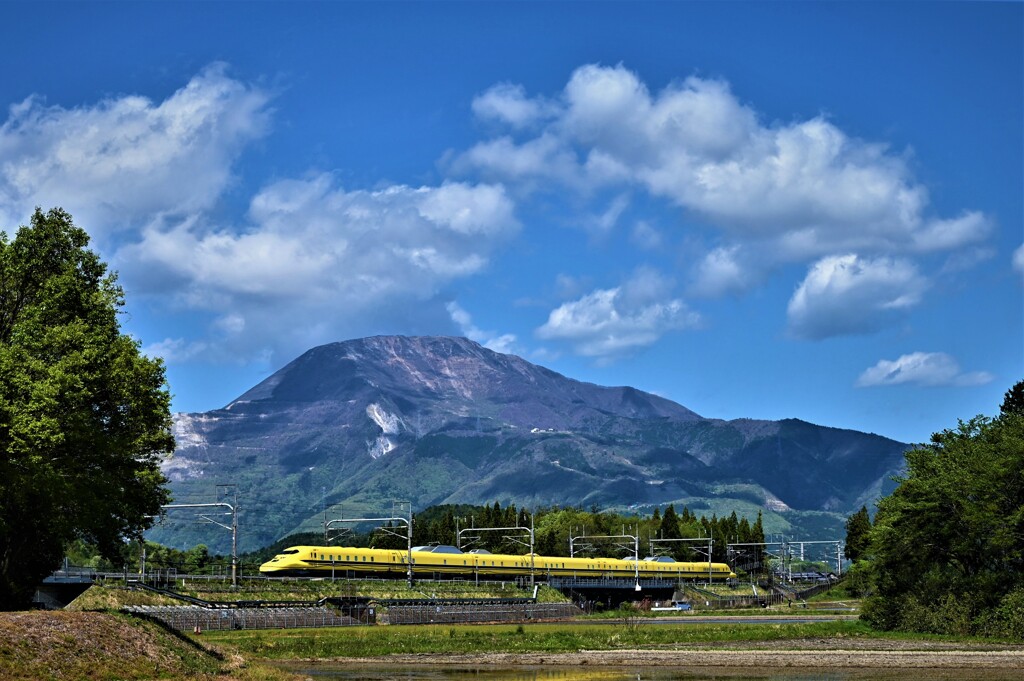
{"x":744,"y":657}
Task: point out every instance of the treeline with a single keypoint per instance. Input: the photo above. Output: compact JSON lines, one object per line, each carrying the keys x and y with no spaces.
{"x":945,"y":552}
{"x":553,"y":526}
{"x":194,"y":561}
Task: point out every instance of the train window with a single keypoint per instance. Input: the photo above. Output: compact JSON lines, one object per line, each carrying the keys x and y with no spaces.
{"x":372,"y":559}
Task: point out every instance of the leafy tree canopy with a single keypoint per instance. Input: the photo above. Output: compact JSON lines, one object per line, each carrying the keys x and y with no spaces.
{"x":84,"y":417}
{"x":858,"y":534}
{"x":1013,"y":401}
{"x":948,"y":544}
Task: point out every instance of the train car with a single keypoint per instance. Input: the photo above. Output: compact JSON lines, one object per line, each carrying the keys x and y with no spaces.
{"x":448,"y":561}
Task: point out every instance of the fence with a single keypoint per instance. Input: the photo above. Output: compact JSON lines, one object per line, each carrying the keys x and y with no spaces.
{"x":779,"y":595}
{"x":454,"y":614}
{"x":193,"y":617}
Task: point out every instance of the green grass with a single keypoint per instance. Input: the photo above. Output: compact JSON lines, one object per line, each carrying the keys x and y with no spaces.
{"x":98,"y":597}
{"x":378,"y":641}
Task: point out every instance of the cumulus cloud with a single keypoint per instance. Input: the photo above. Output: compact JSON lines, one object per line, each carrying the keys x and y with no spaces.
{"x":806,"y":184}
{"x":508,"y":103}
{"x":778,"y":192}
{"x":175,"y":350}
{"x":126,"y":159}
{"x":531,"y":162}
{"x":504,"y":343}
{"x":850,"y":295}
{"x":314,"y":254}
{"x":921,"y":368}
{"x":610,"y":322}
{"x":721,"y":272}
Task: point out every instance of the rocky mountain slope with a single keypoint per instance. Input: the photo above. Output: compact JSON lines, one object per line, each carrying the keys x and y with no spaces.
{"x":442,"y":420}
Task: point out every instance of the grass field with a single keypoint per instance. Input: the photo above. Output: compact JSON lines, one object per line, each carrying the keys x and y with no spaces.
{"x":114,"y":596}
{"x":547,"y":638}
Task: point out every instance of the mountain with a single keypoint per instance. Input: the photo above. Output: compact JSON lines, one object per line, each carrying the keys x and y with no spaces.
{"x":444,"y":420}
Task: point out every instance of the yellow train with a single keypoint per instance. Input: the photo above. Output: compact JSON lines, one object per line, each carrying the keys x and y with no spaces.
{"x":448,"y":561}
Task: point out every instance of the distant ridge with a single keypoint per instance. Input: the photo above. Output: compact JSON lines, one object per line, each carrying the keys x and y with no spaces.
{"x":444,"y":420}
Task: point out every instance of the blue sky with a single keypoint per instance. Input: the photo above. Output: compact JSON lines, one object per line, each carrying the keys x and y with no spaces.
{"x":765,"y":210}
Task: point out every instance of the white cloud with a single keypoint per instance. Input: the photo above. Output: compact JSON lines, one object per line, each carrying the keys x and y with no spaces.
{"x":610,"y":322}
{"x":509,"y":104}
{"x":606,"y":222}
{"x":503,"y":343}
{"x":127,"y":159}
{"x":921,"y":368}
{"x":721,"y":272}
{"x":175,"y":350}
{"x":941,"y":235}
{"x":781,"y":192}
{"x":315,"y":256}
{"x":1018,"y":259}
{"x":849,"y":295}
{"x":534,"y":161}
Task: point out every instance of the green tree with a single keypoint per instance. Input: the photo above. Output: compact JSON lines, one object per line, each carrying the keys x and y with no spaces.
{"x":195,"y":559}
{"x":84,"y":416}
{"x":1013,"y":401}
{"x":858,"y":534}
{"x":669,"y":528}
{"x":948,"y":544}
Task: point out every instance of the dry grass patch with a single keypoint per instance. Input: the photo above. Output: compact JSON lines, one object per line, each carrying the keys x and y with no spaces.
{"x":93,"y":645}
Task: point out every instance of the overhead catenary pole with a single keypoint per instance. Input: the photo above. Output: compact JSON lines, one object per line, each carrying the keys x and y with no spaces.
{"x":527,"y":530}
{"x":636,"y":549}
{"x":408,"y":561}
{"x":532,"y":555}
{"x":711,"y":547}
{"x":636,"y":557}
{"x":233,"y":527}
{"x":394,"y":518}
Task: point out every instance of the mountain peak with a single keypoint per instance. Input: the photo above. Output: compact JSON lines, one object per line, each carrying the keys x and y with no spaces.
{"x":446,"y":420}
{"x":458,"y":370}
